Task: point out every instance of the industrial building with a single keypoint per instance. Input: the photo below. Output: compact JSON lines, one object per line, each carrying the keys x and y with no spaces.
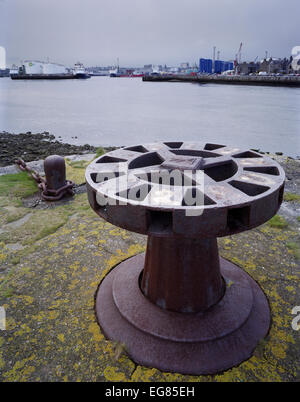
{"x":217,"y":66}
{"x":205,"y":66}
{"x":274,"y":65}
{"x":246,"y":68}
{"x":221,"y":66}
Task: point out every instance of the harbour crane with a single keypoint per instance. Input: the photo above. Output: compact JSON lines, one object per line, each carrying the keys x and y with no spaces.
{"x":238,"y":57}
{"x":239,"y":54}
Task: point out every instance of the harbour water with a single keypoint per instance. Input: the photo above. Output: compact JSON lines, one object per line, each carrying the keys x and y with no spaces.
{"x":125,"y":111}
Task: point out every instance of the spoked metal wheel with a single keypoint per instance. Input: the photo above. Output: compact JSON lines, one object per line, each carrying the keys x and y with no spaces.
{"x":181,"y":307}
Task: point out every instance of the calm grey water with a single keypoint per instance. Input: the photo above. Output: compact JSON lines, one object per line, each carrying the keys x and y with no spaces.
{"x":124,"y":111}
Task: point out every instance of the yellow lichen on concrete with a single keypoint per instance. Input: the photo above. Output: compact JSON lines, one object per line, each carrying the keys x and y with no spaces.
{"x":52,"y":332}
{"x":114,"y":374}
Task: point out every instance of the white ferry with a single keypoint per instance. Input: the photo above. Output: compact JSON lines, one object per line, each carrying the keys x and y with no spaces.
{"x":38,"y":70}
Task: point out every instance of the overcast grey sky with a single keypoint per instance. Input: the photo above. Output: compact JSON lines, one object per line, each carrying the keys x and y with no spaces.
{"x":139,"y":32}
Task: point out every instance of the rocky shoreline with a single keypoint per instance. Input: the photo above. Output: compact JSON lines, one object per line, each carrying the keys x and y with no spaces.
{"x":31,"y":147}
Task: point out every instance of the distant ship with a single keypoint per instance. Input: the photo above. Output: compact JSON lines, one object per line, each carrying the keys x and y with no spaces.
{"x":121,"y":73}
{"x":80,"y":72}
{"x":137,"y":74}
{"x":39,"y":70}
{"x":115,"y":72}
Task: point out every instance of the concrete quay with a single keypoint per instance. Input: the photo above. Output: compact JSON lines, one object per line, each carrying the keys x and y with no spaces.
{"x":287,"y":81}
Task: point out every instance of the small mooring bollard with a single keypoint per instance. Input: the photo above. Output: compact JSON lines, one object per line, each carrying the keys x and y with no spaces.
{"x":56,"y":185}
{"x":180,"y":307}
{"x":55,"y":172}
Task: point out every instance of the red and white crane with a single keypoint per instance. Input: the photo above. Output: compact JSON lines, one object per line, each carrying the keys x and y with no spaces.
{"x":238,"y":57}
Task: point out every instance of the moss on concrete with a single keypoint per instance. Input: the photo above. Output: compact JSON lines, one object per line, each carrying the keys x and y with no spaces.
{"x":100,"y":151}
{"x":48,"y":290}
{"x":75,"y":171}
{"x":17,"y":185}
{"x":295,"y":248}
{"x":291,"y":197}
{"x":278,"y":222}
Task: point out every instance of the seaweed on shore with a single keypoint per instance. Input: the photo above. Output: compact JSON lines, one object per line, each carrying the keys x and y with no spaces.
{"x":31,"y":147}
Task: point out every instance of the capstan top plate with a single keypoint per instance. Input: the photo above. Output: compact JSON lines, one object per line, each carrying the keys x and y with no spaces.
{"x":185,"y":188}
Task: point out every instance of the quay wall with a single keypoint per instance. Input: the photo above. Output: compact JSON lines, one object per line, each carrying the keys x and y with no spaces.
{"x":290,"y":81}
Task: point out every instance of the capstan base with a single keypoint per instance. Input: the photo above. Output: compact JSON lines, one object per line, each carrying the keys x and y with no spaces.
{"x":188,"y":343}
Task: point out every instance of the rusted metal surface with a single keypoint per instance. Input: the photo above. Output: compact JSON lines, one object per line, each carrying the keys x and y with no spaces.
{"x":181,"y":307}
{"x":35,"y":175}
{"x":54,"y":186}
{"x":199,"y":343}
{"x":199,"y":287}
{"x":242,"y":189}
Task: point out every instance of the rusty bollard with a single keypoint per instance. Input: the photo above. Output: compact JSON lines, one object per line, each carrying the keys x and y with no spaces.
{"x":180,"y":307}
{"x":56,"y":185}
